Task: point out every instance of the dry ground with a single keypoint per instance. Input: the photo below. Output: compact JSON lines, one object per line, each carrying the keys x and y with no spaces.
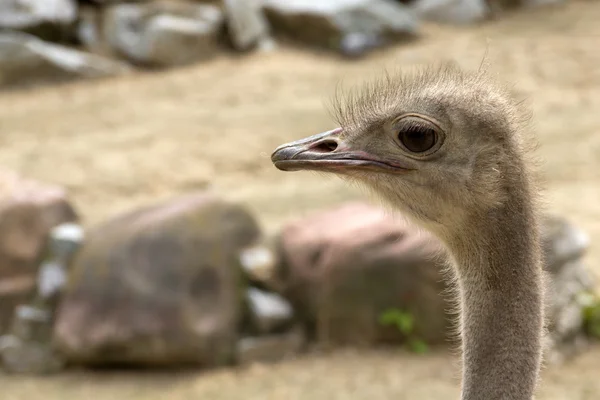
{"x":121,"y":143}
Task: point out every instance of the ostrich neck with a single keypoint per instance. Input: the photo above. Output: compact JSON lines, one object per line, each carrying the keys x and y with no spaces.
{"x":500,"y":282}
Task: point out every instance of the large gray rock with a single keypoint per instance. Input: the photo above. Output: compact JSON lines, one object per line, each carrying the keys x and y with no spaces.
{"x":499,"y":7}
{"x":350,"y":27}
{"x":159,"y":286}
{"x":564,"y":247}
{"x":246,"y":24}
{"x":163,"y":33}
{"x":459,"y":12}
{"x":25,"y":59}
{"x":87,"y":30}
{"x":562,"y":242}
{"x":48,"y":19}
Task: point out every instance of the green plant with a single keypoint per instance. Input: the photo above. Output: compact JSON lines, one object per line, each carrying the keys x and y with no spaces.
{"x":591,"y":313}
{"x":405,"y":323}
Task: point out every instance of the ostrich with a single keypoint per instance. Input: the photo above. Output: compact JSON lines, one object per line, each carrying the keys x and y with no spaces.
{"x":446,"y":147}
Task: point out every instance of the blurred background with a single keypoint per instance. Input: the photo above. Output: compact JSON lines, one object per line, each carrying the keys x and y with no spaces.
{"x":150,"y":250}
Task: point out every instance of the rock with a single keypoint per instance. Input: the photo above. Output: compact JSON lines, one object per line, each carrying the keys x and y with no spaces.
{"x":87,"y":30}
{"x":498,"y":7}
{"x":28,"y":212}
{"x":350,"y":27}
{"x":272,"y":348}
{"x":163,"y":33}
{"x":158,"y":286}
{"x":65,"y":239}
{"x":459,"y":12}
{"x":246,"y":24}
{"x":28,"y":348}
{"x":342,"y":269}
{"x":259,"y":264}
{"x":566,"y":335}
{"x":268,"y":311}
{"x":48,"y":19}
{"x":25,"y":59}
{"x":564,"y":247}
{"x":562,"y":242}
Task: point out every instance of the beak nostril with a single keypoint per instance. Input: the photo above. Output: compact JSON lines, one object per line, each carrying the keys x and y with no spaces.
{"x":326,"y":146}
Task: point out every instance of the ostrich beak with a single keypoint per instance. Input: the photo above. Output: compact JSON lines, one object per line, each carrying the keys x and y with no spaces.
{"x":327,"y":152}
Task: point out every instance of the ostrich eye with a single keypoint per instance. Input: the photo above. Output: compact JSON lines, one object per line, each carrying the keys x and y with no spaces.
{"x":417,"y":138}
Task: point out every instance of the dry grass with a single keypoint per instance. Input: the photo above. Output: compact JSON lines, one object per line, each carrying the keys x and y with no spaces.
{"x":120,"y":143}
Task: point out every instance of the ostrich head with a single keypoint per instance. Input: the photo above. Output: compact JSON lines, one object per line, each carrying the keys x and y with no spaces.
{"x":438,"y":144}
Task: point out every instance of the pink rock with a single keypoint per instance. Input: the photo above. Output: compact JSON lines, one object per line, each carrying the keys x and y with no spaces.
{"x":343,"y":268}
{"x":28,"y":211}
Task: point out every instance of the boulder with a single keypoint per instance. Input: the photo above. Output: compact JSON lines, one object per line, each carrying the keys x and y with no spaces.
{"x":270,"y":348}
{"x":158,"y":286}
{"x":260,"y":263}
{"x":28,"y":347}
{"x":247,"y":25}
{"x":350,"y":27}
{"x":28,"y":212}
{"x":498,"y":7}
{"x":344,"y":268}
{"x":348,"y":269}
{"x":87,"y":29}
{"x":269,"y":312}
{"x":564,"y":247}
{"x":48,"y":19}
{"x":457,"y":12}
{"x":26,"y":60}
{"x":162,"y":33}
{"x":562,"y":242}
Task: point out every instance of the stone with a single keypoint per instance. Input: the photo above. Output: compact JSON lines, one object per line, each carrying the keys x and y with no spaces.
{"x":259,"y":264}
{"x":350,"y":27}
{"x":159,"y":286}
{"x":562,"y":242}
{"x":343,"y":268}
{"x":28,"y":348}
{"x":268,"y":311}
{"x":162,"y":34}
{"x":65,"y":239}
{"x":28,"y":212}
{"x":271,"y":348}
{"x":499,"y":7}
{"x":87,"y":29}
{"x":458,"y":12}
{"x":246,"y":24}
{"x":564,"y":247}
{"x":48,"y":19}
{"x":27,"y":60}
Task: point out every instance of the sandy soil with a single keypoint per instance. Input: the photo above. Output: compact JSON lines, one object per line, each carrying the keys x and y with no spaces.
{"x":121,"y":143}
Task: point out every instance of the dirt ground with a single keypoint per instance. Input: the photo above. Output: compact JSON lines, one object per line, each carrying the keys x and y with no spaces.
{"x":120,"y":143}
